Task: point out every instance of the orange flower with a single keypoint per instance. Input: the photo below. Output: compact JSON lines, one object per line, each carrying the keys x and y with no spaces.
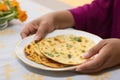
{"x":3,"y":7}
{"x":22,"y":16}
{"x":13,"y":7}
{"x":15,"y":4}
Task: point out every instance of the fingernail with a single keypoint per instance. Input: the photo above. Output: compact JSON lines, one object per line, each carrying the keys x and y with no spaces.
{"x":85,"y":55}
{"x":36,"y":37}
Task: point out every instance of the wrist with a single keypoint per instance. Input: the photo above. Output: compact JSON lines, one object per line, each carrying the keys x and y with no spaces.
{"x":63,"y":19}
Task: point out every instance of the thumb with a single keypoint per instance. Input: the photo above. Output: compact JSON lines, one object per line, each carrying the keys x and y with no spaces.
{"x":41,"y":32}
{"x":93,"y":51}
{"x":97,"y":63}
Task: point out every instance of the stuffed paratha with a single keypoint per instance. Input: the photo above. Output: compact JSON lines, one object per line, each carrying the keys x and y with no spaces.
{"x":65,"y":49}
{"x":32,"y":51}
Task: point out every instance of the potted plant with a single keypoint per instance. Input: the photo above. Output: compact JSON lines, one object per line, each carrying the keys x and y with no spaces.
{"x":9,"y":10}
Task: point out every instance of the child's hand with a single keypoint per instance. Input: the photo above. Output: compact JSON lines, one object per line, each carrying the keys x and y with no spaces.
{"x":108,"y":55}
{"x":47,"y":23}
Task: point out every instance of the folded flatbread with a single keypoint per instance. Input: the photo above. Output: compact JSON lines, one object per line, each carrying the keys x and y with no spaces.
{"x":65,"y":49}
{"x":32,"y":51}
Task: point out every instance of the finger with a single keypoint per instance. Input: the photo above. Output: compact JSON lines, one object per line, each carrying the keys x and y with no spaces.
{"x":28,"y":30}
{"x":110,"y":57}
{"x":95,"y":63}
{"x":25,"y":32}
{"x":42,"y":31}
{"x":94,"y":50}
{"x":91,"y":70}
{"x":98,"y":63}
{"x":23,"y":35}
{"x":74,"y":69}
{"x":89,"y":67}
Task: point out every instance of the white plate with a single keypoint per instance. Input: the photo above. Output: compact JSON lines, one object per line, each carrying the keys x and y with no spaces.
{"x":20,"y":47}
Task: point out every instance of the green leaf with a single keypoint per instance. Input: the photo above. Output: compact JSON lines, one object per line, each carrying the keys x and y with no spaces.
{"x":77,"y":39}
{"x":69,"y":56}
{"x":56,"y":52}
{"x":9,"y":16}
{"x":69,"y":45}
{"x":7,"y":2}
{"x":49,"y":54}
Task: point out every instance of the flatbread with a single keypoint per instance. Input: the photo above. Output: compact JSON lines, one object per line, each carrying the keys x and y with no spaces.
{"x":65,"y":49}
{"x":32,"y":51}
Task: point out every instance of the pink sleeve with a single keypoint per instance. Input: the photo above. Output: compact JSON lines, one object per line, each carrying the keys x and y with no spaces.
{"x":94,"y":17}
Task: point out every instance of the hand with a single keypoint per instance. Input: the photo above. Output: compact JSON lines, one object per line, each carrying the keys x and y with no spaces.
{"x":108,"y":55}
{"x":47,"y":23}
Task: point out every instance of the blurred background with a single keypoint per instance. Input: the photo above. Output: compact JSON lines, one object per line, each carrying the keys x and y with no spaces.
{"x":63,"y":4}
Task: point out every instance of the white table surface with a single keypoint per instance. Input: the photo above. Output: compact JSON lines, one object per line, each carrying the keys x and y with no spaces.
{"x":11,"y":68}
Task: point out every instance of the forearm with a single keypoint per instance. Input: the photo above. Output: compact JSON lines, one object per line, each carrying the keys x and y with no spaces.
{"x":63,"y":19}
